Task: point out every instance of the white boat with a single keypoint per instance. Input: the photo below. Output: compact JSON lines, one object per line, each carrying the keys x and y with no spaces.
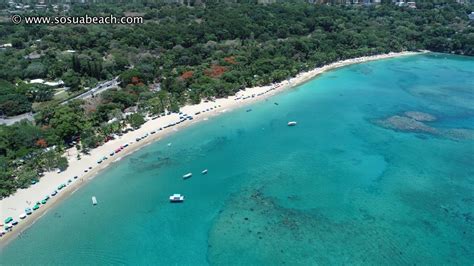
{"x":94,"y":200}
{"x":177,"y":198}
{"x":292,"y":123}
{"x":188,"y":175}
{"x":204,"y":171}
{"x":23,"y":216}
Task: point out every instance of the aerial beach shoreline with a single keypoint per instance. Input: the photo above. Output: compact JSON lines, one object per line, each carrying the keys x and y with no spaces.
{"x":14,"y":205}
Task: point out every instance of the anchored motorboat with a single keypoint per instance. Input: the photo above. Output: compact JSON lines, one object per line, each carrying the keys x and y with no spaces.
{"x":176,"y":198}
{"x":188,"y":175}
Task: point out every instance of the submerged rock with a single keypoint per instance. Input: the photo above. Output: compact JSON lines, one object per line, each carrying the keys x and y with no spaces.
{"x":420,"y":116}
{"x":458,"y":133}
{"x":406,"y":124}
{"x":413,"y":121}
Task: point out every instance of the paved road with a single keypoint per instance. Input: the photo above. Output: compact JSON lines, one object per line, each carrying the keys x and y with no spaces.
{"x":13,"y":119}
{"x":101,"y":87}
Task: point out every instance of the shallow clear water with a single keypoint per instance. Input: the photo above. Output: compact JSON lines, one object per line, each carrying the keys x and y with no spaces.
{"x":339,"y":188}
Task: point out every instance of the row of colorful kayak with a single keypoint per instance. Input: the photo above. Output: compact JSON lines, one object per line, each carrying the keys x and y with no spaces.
{"x":9,"y":222}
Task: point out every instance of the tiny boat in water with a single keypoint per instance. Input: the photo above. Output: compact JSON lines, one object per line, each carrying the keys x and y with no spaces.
{"x":188,"y":175}
{"x":176,"y":198}
{"x":94,"y":200}
{"x":292,"y":123}
{"x":204,"y":171}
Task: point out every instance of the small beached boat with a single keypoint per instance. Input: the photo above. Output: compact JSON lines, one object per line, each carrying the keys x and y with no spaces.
{"x":292,"y":123}
{"x":188,"y":175}
{"x":177,"y":198}
{"x":204,"y":171}
{"x":28,"y":211}
{"x":23,"y":216}
{"x":8,"y":220}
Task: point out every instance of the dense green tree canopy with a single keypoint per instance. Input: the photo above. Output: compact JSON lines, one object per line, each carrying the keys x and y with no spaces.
{"x":182,"y":55}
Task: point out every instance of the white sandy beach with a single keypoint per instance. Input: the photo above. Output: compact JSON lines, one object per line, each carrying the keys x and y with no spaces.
{"x":15,"y":205}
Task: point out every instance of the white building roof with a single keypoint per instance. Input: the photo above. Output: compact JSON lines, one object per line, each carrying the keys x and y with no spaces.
{"x":36,"y":81}
{"x":54,"y":83}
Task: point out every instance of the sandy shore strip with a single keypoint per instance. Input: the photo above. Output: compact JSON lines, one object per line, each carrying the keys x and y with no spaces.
{"x":81,"y":171}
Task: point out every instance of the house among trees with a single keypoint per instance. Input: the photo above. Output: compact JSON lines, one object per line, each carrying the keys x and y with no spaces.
{"x":411,"y":4}
{"x":5,"y":46}
{"x":32,"y":56}
{"x":48,"y":83}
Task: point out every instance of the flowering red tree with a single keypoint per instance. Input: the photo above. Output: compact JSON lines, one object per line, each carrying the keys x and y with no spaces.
{"x":187,"y":75}
{"x":41,"y":143}
{"x":215,"y":71}
{"x":230,"y":60}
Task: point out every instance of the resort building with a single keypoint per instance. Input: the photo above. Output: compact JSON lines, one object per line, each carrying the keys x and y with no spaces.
{"x":411,"y":4}
{"x":32,"y":56}
{"x":48,"y":83}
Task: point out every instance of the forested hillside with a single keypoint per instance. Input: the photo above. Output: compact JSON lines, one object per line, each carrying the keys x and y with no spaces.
{"x":183,"y":54}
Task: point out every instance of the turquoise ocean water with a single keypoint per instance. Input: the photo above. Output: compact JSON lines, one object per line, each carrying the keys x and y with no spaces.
{"x":341,"y":187}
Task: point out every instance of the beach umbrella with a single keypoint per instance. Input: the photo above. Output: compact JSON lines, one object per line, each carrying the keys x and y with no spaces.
{"x":9,"y":219}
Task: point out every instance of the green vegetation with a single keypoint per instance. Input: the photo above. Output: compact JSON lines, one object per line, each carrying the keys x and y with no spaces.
{"x":184,"y":54}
